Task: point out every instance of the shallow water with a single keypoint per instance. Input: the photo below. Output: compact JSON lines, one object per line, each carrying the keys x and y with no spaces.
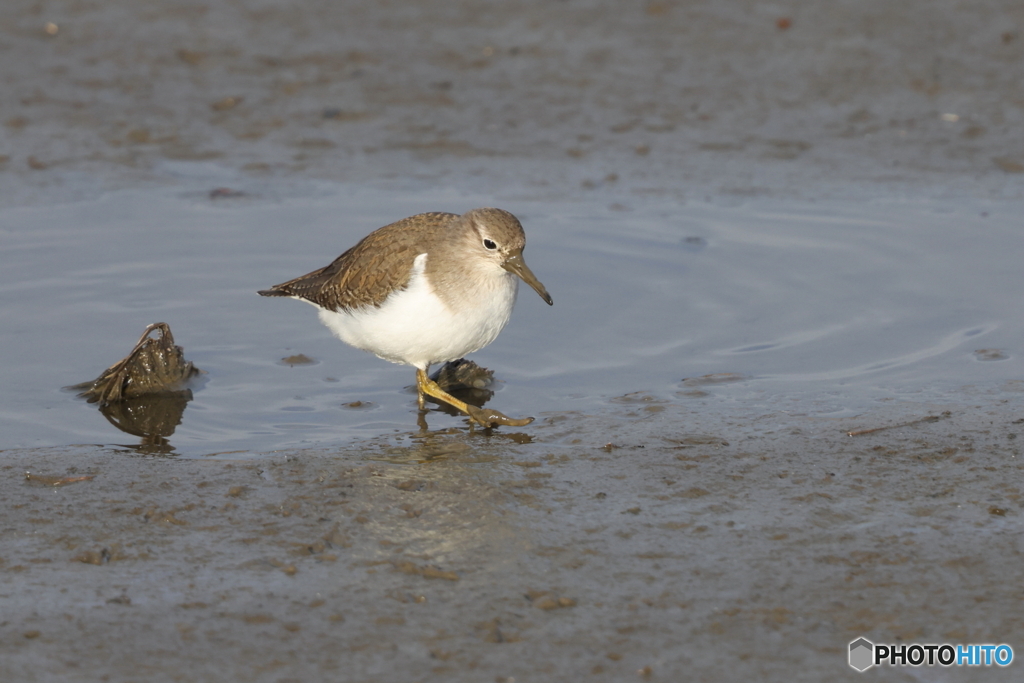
{"x":828,"y":306}
{"x":700,"y":184}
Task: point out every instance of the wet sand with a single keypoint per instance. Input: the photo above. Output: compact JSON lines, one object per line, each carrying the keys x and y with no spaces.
{"x":759,"y":546}
{"x":710,"y":532}
{"x":733,"y":99}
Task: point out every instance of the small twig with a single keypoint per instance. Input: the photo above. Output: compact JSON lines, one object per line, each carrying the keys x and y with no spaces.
{"x":930,"y":418}
{"x":55,"y":481}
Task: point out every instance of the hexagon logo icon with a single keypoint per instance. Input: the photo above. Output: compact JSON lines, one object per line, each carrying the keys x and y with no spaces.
{"x":862,"y":653}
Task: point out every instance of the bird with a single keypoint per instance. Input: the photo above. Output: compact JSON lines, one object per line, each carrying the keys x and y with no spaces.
{"x":427,"y":289}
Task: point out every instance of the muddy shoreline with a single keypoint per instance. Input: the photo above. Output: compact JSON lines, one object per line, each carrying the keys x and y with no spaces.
{"x":671,"y":532}
{"x":761,"y":548}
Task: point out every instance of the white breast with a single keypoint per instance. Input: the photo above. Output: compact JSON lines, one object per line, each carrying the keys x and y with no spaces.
{"x":414,"y":326}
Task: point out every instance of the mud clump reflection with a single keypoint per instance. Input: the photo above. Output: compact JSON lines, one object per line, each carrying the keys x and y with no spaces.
{"x":153,"y":417}
{"x":145,"y":393}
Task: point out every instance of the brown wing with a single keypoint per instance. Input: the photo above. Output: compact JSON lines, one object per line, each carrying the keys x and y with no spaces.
{"x":367,"y":273}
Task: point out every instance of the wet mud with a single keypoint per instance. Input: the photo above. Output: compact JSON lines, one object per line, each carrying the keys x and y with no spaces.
{"x":778,"y":410}
{"x":639,"y":544}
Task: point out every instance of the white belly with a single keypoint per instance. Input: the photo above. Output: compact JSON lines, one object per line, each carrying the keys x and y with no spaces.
{"x":416,"y":327}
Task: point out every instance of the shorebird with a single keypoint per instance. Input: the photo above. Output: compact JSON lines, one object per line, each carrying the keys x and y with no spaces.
{"x":427,"y":289}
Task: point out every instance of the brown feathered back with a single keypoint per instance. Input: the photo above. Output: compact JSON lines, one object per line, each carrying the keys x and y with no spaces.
{"x":368,"y":272}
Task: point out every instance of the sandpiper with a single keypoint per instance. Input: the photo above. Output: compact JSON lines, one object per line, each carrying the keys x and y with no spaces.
{"x":427,"y":289}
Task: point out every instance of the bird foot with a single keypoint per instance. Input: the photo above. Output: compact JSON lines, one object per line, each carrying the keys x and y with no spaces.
{"x":492,"y":418}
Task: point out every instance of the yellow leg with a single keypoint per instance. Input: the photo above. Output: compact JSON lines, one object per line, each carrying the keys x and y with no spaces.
{"x":482,"y":416}
{"x":420,"y":403}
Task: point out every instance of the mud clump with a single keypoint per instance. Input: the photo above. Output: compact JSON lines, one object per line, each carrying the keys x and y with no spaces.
{"x":466,"y":381}
{"x":154,"y":366}
{"x":145,"y":393}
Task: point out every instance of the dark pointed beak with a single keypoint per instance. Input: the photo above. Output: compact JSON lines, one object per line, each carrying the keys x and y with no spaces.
{"x":517,"y":266}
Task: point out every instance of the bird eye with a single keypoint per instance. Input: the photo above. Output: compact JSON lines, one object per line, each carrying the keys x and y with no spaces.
{"x":489,"y":244}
